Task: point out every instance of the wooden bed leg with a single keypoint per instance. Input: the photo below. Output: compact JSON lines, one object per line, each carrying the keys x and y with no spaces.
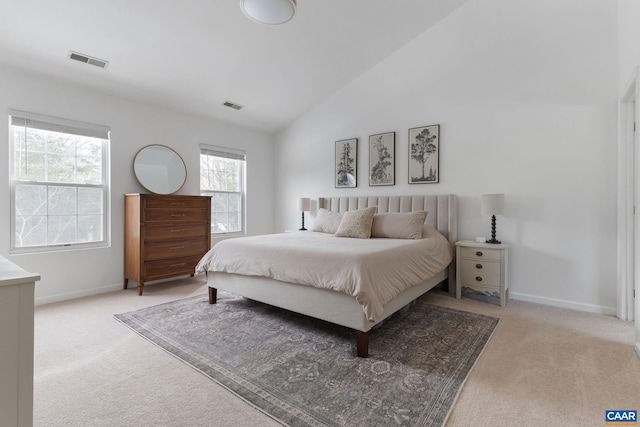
{"x":362,"y":343}
{"x":213,"y":295}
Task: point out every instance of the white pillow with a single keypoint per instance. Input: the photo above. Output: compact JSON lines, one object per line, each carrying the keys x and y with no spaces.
{"x":399,"y":225}
{"x":326,"y":221}
{"x":357,"y":223}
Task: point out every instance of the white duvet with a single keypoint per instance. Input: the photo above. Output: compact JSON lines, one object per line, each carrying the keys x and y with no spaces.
{"x":374,"y":271}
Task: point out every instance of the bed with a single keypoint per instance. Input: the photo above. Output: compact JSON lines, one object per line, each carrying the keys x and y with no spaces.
{"x":269,"y":280}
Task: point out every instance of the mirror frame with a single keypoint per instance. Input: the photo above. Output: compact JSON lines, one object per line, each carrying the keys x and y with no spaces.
{"x":150,"y":182}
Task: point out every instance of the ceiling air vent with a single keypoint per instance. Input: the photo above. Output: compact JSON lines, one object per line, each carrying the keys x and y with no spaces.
{"x":88,"y":59}
{"x":232,"y":105}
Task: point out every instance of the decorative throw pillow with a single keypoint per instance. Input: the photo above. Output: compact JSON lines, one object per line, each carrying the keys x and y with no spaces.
{"x":399,"y":225}
{"x":326,"y":221}
{"x":357,"y":223}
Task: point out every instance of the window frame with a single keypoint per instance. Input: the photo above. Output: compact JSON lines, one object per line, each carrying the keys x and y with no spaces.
{"x":228,"y":153}
{"x":69,"y":127}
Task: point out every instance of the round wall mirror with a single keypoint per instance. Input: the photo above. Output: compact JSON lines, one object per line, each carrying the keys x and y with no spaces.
{"x":159,"y":169}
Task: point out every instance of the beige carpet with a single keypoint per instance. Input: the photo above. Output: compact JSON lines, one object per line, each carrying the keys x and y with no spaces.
{"x":544,"y":366}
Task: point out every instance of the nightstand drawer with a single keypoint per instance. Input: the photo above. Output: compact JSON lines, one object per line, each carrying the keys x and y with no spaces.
{"x":480,"y":253}
{"x":490,"y":268}
{"x":478,"y":278}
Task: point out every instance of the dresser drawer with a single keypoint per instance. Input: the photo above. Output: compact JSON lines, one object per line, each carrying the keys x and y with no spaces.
{"x":479,"y":278}
{"x":480,"y":254}
{"x":154,"y":270}
{"x":173,"y":249}
{"x":481,"y":266}
{"x":158,"y":232}
{"x":176,"y":202}
{"x":175,"y":215}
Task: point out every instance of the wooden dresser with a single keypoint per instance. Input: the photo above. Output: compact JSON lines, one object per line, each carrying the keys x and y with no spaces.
{"x":164,"y":236}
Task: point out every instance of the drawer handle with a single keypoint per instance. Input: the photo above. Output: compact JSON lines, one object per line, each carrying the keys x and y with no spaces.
{"x":177,"y":248}
{"x":177,"y":215}
{"x":177,"y":231}
{"x":478,"y":279}
{"x":478,"y":253}
{"x":178,"y":265}
{"x":479,"y":266}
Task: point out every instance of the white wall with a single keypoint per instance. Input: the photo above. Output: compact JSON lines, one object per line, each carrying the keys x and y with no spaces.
{"x":525,"y":94}
{"x":68,"y":274}
{"x":629,"y":56}
{"x":629,"y":36}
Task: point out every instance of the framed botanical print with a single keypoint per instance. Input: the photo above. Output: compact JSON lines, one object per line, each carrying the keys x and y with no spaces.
{"x":424,"y":150}
{"x":346,"y":171}
{"x":382,"y":159}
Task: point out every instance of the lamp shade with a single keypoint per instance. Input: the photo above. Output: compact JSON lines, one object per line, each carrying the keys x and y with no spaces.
{"x":270,"y":12}
{"x":304,"y":204}
{"x":492,"y":204}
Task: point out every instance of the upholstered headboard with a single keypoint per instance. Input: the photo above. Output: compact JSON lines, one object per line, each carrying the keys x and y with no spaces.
{"x":442,"y":209}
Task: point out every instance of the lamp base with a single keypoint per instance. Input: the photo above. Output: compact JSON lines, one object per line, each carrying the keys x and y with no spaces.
{"x":493,"y":231}
{"x":302,"y":228}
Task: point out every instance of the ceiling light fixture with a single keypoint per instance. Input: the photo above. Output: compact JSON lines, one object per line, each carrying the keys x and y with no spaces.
{"x":270,"y":12}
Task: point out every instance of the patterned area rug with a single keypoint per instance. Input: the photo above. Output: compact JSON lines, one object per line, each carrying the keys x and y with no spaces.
{"x":304,"y":372}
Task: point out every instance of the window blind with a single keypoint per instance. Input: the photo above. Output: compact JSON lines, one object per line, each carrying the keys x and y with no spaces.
{"x":55,"y":124}
{"x":227,"y":153}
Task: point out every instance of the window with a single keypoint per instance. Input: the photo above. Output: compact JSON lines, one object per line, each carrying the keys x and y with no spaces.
{"x":222,"y":177}
{"x":59,"y":183}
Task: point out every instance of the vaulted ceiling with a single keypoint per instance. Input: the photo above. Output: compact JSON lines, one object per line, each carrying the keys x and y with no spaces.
{"x":193,"y":55}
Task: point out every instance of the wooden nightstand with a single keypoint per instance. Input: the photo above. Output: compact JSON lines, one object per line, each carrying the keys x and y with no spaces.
{"x":483,"y":267}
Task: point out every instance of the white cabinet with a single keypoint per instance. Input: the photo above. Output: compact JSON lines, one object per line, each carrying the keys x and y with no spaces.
{"x":483,"y":267}
{"x":16,"y":345}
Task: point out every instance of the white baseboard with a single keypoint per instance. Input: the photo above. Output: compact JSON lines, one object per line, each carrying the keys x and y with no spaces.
{"x":609,"y":311}
{"x":96,"y":291}
{"x":77,"y":294}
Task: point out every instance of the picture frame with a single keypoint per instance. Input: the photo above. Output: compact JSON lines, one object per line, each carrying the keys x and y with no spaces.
{"x":424,"y":155}
{"x":346,"y":163}
{"x":382,"y":159}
